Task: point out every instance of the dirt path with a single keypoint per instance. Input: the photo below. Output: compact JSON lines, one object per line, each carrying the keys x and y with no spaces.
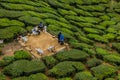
{"x":9,"y":49}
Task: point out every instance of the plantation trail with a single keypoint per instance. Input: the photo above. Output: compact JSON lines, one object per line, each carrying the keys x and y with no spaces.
{"x":42,"y":42}
{"x":9,"y":49}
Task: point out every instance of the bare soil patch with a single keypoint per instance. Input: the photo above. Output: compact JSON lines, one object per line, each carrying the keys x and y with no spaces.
{"x":43,"y":42}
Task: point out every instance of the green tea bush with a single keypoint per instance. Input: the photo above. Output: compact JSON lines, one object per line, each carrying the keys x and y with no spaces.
{"x":89,"y":51}
{"x":30,"y":20}
{"x":12,"y":6}
{"x":2,"y":76}
{"x":81,"y":24}
{"x":38,"y":76}
{"x":112,"y":58}
{"x":91,"y":8}
{"x":118,"y":38}
{"x":93,"y":62}
{"x":111,"y":30}
{"x":101,"y":52}
{"x":71,"y":55}
{"x":83,"y":39}
{"x":75,"y":18}
{"x":116,"y":19}
{"x":24,"y":67}
{"x":109,"y":79}
{"x":105,"y":17}
{"x":64,"y":12}
{"x":10,"y":14}
{"x":100,"y":27}
{"x":85,"y":75}
{"x":50,"y":61}
{"x":66,"y":68}
{"x":6,"y":60}
{"x":47,"y":10}
{"x":91,"y":30}
{"x":55,"y":4}
{"x":12,"y":31}
{"x":110,"y":36}
{"x":97,"y":14}
{"x":4,"y":22}
{"x":61,"y":24}
{"x":40,"y":4}
{"x":22,"y":55}
{"x":67,"y":78}
{"x":97,"y":38}
{"x":107,"y":23}
{"x":116,"y":46}
{"x":29,"y":28}
{"x":72,"y":1}
{"x":102,"y":71}
{"x":82,"y":12}
{"x":95,"y":1}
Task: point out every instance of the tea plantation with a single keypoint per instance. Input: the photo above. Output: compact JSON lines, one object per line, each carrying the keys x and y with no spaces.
{"x":90,"y":27}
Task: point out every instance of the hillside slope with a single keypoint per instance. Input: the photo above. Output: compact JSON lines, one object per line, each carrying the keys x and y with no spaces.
{"x":91,"y":26}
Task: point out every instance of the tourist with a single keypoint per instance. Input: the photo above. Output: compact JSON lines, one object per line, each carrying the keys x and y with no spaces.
{"x":61,"y":39}
{"x":59,"y":34}
{"x":45,"y":29}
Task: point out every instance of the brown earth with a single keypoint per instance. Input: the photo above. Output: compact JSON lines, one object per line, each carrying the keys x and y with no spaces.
{"x":43,"y":42}
{"x":9,"y":49}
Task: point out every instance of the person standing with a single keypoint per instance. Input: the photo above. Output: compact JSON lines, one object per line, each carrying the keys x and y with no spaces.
{"x":59,"y":34}
{"x":61,"y":39}
{"x":45,"y":29}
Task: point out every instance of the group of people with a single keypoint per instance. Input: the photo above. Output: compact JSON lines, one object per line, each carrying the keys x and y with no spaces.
{"x":37,"y":29}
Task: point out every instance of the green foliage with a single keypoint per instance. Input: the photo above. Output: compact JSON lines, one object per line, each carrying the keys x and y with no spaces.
{"x":38,"y":76}
{"x":6,"y":60}
{"x":91,"y":8}
{"x":91,"y":30}
{"x":103,"y":71}
{"x":109,"y":36}
{"x":111,"y":30}
{"x":22,"y":55}
{"x":66,"y":68}
{"x":61,"y":24}
{"x":29,"y":28}
{"x":50,"y":61}
{"x":97,"y":38}
{"x":112,"y":58}
{"x":11,"y":14}
{"x":116,"y":46}
{"x":24,"y":67}
{"x":105,"y":17}
{"x":12,"y":31}
{"x":85,"y":75}
{"x":97,"y":14}
{"x":93,"y":62}
{"x":30,"y":20}
{"x":118,"y":38}
{"x":81,"y":24}
{"x":82,"y":38}
{"x":12,"y":6}
{"x":66,"y":12}
{"x":71,"y":55}
{"x":107,"y":23}
{"x":2,"y":76}
{"x":67,"y":78}
{"x":109,"y":79}
{"x":89,"y":51}
{"x":101,"y":52}
{"x":82,"y":12}
{"x":4,"y":22}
